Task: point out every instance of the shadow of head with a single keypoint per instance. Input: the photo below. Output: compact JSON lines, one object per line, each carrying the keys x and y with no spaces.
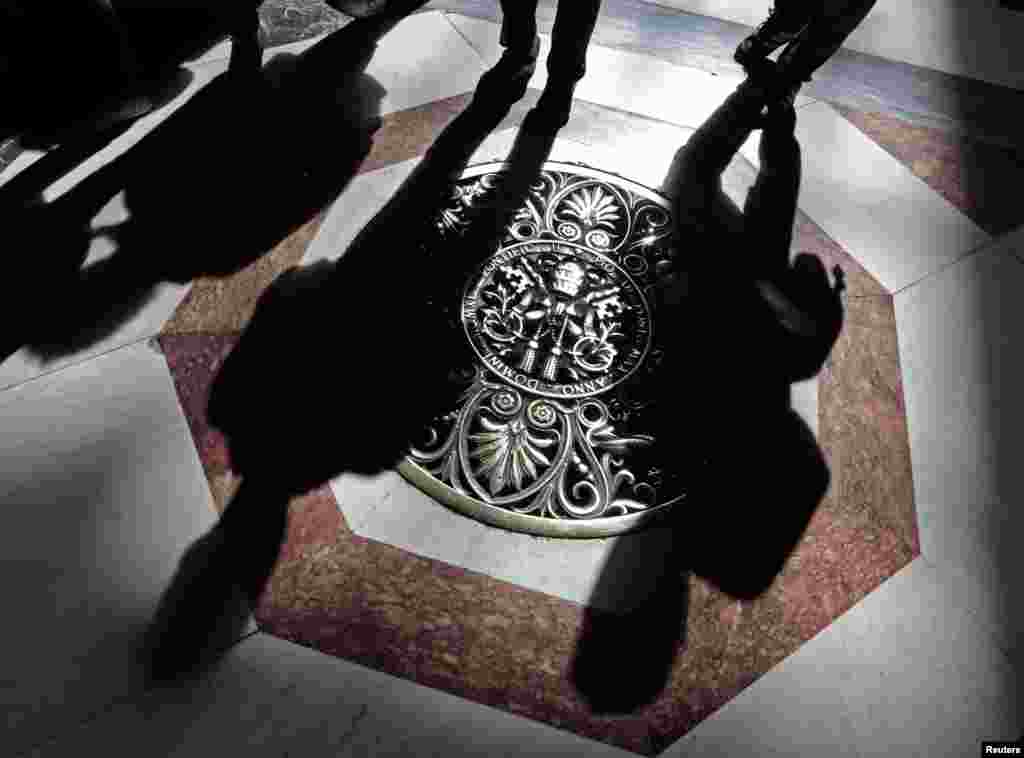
{"x":360,"y":356}
{"x":337,"y":371}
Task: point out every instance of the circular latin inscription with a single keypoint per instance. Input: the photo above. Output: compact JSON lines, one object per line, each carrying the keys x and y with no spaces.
{"x":552,"y":433}
{"x":556,"y":319}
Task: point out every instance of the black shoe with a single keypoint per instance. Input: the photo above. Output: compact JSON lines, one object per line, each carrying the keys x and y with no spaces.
{"x":780,"y":28}
{"x":507,"y":80}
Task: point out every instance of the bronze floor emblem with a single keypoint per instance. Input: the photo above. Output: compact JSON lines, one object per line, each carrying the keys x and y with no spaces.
{"x":556,"y":319}
{"x":552,"y":435}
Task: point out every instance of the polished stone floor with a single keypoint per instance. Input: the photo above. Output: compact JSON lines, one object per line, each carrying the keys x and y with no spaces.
{"x":420,"y":632}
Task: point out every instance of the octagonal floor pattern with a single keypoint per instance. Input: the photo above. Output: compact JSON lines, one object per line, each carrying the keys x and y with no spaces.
{"x":395,"y":581}
{"x":496,"y":618}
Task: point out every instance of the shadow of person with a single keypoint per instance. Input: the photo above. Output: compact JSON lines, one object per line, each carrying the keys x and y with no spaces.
{"x":745,"y":324}
{"x":391,"y":306}
{"x":107,"y":65}
{"x":215,"y":186}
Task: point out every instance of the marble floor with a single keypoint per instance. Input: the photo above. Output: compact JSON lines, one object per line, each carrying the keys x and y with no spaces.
{"x":391,"y":625}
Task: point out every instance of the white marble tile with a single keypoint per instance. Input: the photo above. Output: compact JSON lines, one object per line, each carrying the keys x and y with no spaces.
{"x":101,"y":491}
{"x":804,"y":398}
{"x":644,"y":156}
{"x":420,"y":60}
{"x":274,"y":698}
{"x":369,"y":192}
{"x":905,"y":671}
{"x":483,"y":36}
{"x":923,"y":677}
{"x":424,"y":59}
{"x":961,"y":337}
{"x":796,"y":710}
{"x":353,"y":210}
{"x":388,"y":509}
{"x":618,"y":79}
{"x":896,"y":226}
{"x":645,"y":159}
{"x":159,"y":304}
{"x":977,"y":553}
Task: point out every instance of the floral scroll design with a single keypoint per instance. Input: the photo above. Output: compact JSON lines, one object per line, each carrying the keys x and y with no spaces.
{"x":565,"y":206}
{"x":543,"y":450}
{"x":466,"y":197}
{"x":594,"y":214}
{"x":557,"y":314}
{"x":536,"y":456}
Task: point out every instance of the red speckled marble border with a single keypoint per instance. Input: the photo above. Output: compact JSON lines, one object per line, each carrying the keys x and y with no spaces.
{"x":979,"y":178}
{"x":512,"y":648}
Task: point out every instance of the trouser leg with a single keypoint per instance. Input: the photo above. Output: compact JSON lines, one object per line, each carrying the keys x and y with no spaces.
{"x":574,"y":26}
{"x":825,"y":34}
{"x":518,"y":24}
{"x":770,"y":208}
{"x":694,"y":180}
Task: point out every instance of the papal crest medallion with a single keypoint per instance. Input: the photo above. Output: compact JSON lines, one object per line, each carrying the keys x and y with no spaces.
{"x":556,"y":319}
{"x":554,"y":433}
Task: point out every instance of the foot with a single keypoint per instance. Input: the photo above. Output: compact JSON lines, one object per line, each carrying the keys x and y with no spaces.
{"x":509,"y":77}
{"x":553,"y":109}
{"x":200,"y":615}
{"x":782,"y":26}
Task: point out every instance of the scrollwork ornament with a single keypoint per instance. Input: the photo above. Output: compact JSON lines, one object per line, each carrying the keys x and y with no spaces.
{"x":554,"y":424}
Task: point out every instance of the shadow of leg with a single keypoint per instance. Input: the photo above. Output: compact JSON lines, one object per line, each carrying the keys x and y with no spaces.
{"x":278,"y":447}
{"x":755,"y":503}
{"x":624,"y":659}
{"x":574,"y":26}
{"x":219,"y":580}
